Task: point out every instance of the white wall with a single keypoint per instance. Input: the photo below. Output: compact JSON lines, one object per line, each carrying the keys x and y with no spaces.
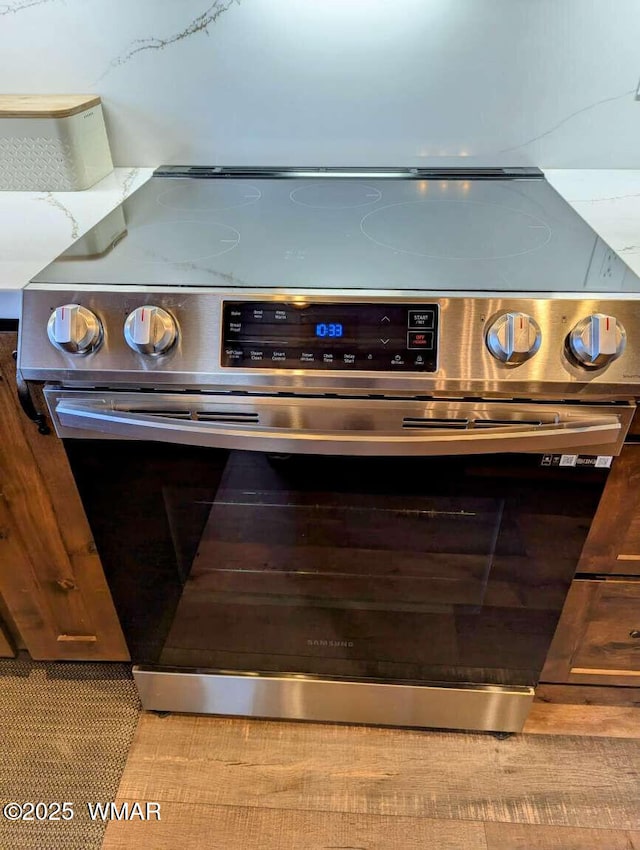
{"x":393,"y":82}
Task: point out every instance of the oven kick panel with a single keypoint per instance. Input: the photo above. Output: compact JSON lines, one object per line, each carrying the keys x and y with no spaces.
{"x":372,"y":337}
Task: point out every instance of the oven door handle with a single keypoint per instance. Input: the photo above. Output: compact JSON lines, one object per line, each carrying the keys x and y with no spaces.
{"x":593,"y":434}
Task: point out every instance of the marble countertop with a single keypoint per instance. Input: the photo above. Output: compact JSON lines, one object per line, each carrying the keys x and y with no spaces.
{"x":37,"y":226}
{"x":609,"y":200}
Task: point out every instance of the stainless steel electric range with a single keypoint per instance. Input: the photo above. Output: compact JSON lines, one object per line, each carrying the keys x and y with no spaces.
{"x":340,"y":434}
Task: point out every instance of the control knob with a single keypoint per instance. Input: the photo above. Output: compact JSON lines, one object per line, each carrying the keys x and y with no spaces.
{"x":597,"y":340}
{"x":513,"y":337}
{"x":75,"y":329}
{"x":150,"y":330}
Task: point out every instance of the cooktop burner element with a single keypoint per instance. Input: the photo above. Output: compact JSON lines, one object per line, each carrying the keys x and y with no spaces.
{"x":455,"y":230}
{"x":179,"y":242}
{"x":200,"y":198}
{"x":332,"y":196}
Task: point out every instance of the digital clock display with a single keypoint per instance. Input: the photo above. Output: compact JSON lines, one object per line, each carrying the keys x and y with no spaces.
{"x":351,"y":337}
{"x":329,"y":329}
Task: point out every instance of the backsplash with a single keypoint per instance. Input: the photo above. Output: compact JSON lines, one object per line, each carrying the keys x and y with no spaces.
{"x":340,"y":82}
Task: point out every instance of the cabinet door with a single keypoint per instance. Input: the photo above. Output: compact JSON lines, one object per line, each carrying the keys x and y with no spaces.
{"x":51,"y":578}
{"x":613,"y":544}
{"x":597,"y":641}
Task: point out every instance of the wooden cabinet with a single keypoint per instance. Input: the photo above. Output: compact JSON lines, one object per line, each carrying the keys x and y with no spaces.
{"x":598,"y":639}
{"x":613,"y":544}
{"x":52,"y":585}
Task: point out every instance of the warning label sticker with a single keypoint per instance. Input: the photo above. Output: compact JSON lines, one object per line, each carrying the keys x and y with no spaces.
{"x":599,"y":462}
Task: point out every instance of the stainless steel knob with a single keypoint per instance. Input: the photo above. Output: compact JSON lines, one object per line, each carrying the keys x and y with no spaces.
{"x":513,"y":337}
{"x":597,"y":340}
{"x":150,"y":330}
{"x":75,"y":329}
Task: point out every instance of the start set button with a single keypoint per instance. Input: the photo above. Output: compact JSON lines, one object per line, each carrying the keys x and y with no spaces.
{"x":419,"y":319}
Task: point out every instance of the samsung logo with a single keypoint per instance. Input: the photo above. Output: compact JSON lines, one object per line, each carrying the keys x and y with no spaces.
{"x":330,"y":643}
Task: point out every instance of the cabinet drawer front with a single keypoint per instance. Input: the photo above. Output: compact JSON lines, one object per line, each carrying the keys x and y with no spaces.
{"x":629,"y":555}
{"x":610,"y":642}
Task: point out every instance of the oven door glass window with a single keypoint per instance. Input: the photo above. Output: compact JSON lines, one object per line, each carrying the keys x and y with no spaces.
{"x":411,"y":569}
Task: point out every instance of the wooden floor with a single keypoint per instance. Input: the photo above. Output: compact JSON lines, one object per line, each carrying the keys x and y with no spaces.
{"x":572,"y":783}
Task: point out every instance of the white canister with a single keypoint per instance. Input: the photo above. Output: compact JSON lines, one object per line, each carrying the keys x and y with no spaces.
{"x":52,"y":143}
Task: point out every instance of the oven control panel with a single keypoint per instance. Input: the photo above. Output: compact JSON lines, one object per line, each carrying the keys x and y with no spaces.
{"x":330,"y":341}
{"x":289,"y":335}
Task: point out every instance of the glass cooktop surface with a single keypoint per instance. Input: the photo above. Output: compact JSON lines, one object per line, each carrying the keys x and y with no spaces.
{"x":435,"y":232}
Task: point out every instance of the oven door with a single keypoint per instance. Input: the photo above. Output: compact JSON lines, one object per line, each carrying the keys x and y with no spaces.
{"x":409,"y":588}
